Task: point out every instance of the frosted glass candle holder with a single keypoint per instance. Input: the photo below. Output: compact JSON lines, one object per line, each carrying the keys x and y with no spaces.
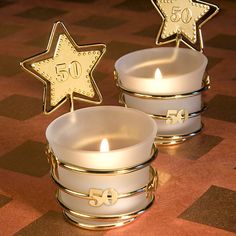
{"x":166,"y":83}
{"x":97,"y":189}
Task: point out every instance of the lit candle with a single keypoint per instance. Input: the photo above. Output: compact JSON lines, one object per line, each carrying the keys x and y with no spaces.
{"x":164,"y":71}
{"x":91,"y":138}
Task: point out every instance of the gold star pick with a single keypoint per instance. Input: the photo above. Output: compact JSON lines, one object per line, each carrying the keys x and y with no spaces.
{"x":182,"y":21}
{"x":66,"y":69}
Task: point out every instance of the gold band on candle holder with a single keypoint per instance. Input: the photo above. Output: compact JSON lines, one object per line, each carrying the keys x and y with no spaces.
{"x":190,"y":115}
{"x":104,"y":222}
{"x":205,"y":86}
{"x":165,"y":117}
{"x":55,"y":163}
{"x":149,"y":189}
{"x":101,"y":226}
{"x":175,"y":139}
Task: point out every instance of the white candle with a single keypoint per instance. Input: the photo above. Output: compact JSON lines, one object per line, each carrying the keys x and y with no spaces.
{"x":105,"y":138}
{"x":164,"y":71}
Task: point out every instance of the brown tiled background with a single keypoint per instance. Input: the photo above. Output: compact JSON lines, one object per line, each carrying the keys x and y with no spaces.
{"x":197,"y":192}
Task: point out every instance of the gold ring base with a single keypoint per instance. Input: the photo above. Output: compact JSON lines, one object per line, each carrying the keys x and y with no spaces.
{"x":102,"y":222}
{"x":86,"y":224}
{"x":168,"y":140}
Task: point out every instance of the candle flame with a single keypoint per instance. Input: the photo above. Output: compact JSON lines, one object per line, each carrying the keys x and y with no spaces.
{"x":104,"y":146}
{"x":158,"y":74}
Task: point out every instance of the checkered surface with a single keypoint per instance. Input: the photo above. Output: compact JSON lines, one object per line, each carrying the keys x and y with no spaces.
{"x":197,"y":190}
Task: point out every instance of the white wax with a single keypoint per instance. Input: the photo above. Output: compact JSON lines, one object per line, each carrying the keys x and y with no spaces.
{"x":182,"y":70}
{"x":75,"y":139}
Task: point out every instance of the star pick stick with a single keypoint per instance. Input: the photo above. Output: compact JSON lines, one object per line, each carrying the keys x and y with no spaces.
{"x":66,"y":70}
{"x":182,"y":21}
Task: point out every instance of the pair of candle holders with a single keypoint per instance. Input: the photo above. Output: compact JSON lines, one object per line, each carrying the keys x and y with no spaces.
{"x":90,"y":183}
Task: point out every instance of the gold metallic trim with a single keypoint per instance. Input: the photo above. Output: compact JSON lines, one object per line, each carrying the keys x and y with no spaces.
{"x":115,"y":220}
{"x":164,"y":117}
{"x":53,"y":160}
{"x":106,"y":217}
{"x":175,"y":139}
{"x":97,"y":227}
{"x":103,"y":222}
{"x":205,"y":86}
{"x":190,"y":115}
{"x":167,"y":139}
{"x":149,"y":188}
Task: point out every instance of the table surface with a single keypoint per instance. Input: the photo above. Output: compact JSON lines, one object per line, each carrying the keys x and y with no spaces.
{"x":197,"y":189}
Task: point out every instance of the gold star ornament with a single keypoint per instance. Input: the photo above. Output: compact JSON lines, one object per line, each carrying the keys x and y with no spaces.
{"x":182,"y":21}
{"x":66,"y":69}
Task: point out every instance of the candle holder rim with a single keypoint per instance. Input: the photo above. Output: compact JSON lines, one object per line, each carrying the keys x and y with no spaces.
{"x":160,"y":48}
{"x":140,"y":143}
{"x":122,"y":59}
